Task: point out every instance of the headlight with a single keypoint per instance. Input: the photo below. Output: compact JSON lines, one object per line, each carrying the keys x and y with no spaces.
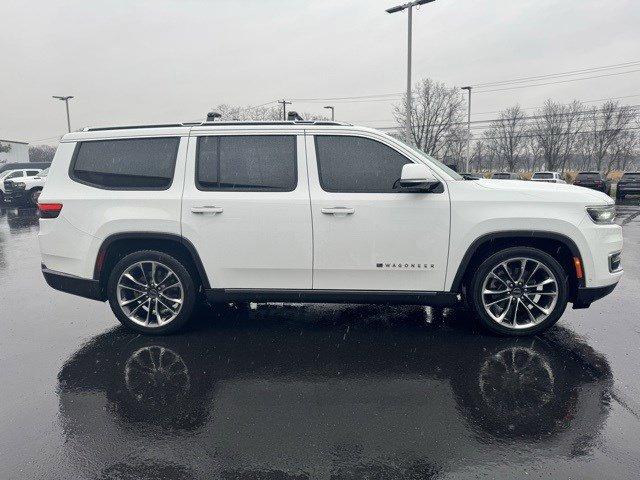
{"x":602,"y":215}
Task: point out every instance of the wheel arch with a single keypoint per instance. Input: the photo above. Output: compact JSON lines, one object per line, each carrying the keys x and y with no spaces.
{"x":561,"y":247}
{"x":116,"y":246}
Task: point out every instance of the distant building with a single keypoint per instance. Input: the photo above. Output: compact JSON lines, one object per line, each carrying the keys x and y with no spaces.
{"x":19,"y":152}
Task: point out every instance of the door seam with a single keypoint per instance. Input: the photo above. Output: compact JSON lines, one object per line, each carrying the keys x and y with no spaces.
{"x":313,"y":237}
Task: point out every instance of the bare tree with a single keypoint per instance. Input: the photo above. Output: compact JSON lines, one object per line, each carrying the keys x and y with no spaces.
{"x":508,"y":136}
{"x":41,"y":153}
{"x":603,"y":128}
{"x":555,"y":131}
{"x":455,"y":144}
{"x":480,"y":154}
{"x":435,"y":112}
{"x":267,"y":114}
{"x":5,"y":148}
{"x":623,"y":150}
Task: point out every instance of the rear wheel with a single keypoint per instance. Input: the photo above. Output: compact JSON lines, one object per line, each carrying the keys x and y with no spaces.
{"x":518,"y":291}
{"x":151,"y":292}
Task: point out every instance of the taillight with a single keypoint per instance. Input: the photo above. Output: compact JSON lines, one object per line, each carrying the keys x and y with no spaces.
{"x":49,"y":210}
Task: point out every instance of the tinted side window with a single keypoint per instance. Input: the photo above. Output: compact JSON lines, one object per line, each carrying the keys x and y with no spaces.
{"x":132,"y":163}
{"x":356,"y":164}
{"x":264,"y":163}
{"x":32,"y":173}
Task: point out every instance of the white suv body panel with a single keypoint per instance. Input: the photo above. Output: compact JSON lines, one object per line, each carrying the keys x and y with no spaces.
{"x":271,"y":240}
{"x":90,"y":215}
{"x":393,"y":241}
{"x":260,"y":240}
{"x":487,"y":207}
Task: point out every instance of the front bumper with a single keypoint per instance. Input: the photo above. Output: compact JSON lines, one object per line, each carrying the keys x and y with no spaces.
{"x":586,"y":296}
{"x":83,"y":287}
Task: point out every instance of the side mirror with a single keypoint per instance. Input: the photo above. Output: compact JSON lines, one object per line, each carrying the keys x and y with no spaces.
{"x":416,"y":177}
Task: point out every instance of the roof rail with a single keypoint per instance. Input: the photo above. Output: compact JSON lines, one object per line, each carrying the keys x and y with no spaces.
{"x":276,"y":122}
{"x":283,"y":123}
{"x":127,"y":127}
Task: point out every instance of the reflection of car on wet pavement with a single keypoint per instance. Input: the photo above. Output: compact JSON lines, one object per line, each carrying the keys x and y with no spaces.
{"x":333,"y":391}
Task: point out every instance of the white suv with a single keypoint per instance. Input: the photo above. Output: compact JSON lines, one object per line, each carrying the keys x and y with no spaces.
{"x":156,"y":218}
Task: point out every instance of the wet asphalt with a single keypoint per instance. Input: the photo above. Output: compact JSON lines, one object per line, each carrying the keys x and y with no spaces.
{"x":318,"y":392}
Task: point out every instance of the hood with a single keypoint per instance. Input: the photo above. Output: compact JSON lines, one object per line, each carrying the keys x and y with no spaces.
{"x":544,"y":190}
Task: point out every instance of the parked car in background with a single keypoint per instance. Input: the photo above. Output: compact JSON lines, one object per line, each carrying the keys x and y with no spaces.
{"x":506,"y":176}
{"x":24,"y":165}
{"x":548,"y":177}
{"x":25,"y":190}
{"x":7,"y":176}
{"x":629,"y":184}
{"x":470,"y":176}
{"x":152,"y":219}
{"x":594,"y":180}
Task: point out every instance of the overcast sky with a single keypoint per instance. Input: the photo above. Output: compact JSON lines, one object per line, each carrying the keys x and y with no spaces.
{"x":130,"y":61}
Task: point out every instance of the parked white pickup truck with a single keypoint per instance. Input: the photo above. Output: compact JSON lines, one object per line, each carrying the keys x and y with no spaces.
{"x":24,"y":190}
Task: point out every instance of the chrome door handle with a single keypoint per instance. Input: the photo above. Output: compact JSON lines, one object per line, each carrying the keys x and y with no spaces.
{"x":338,"y":211}
{"x":207,"y":209}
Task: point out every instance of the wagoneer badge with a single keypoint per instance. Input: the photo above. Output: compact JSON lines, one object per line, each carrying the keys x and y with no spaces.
{"x":406,"y":266}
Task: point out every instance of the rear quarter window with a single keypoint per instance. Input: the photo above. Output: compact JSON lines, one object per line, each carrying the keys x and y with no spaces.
{"x":126,"y":164}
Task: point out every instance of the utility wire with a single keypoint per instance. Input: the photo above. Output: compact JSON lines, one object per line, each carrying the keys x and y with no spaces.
{"x":552,"y":75}
{"x":555,"y":83}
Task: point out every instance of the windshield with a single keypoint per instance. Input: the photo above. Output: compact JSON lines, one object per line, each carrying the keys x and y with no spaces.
{"x":588,"y":176}
{"x":501,"y":175}
{"x":631,"y":176}
{"x":542,"y":175}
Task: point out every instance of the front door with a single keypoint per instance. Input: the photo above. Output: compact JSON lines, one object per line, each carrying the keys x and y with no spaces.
{"x":246,"y":209}
{"x":366,"y":235}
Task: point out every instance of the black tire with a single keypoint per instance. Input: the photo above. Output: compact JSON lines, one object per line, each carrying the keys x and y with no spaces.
{"x":189,"y":291}
{"x":34,"y":195}
{"x":475,"y":288}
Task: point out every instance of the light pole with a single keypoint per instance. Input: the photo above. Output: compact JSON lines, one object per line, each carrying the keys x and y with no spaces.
{"x":66,"y":102}
{"x":468,"y":130}
{"x":333,"y":111}
{"x":409,"y":7}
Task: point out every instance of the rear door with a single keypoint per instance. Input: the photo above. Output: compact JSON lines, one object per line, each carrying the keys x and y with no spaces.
{"x":366,"y":235}
{"x":246,"y":208}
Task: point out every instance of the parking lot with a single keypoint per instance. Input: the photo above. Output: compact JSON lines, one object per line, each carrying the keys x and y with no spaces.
{"x":320,"y":391}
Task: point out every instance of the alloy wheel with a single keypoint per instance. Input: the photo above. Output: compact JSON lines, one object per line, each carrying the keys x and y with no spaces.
{"x":150,"y":294}
{"x":520,"y":293}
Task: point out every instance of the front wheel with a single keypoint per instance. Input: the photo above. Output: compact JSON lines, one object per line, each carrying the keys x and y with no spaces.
{"x":519,"y":291}
{"x":151,"y":292}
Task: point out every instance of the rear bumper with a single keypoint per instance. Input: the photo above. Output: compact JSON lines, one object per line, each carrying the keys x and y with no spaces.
{"x":83,"y":287}
{"x":586,"y":296}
